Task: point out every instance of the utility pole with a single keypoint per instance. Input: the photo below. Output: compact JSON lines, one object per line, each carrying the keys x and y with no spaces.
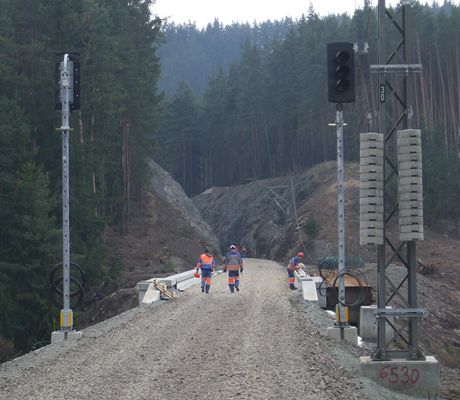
{"x":67,"y":71}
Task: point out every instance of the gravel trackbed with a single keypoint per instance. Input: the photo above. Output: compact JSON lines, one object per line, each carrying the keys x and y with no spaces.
{"x":255,"y":344}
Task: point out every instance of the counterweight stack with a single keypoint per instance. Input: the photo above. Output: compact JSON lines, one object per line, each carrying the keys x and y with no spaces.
{"x":371,"y":182}
{"x":410,"y":183}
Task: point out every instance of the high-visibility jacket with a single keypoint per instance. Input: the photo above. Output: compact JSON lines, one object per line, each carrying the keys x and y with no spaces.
{"x":233,"y":261}
{"x":293,"y":263}
{"x":206,"y":262}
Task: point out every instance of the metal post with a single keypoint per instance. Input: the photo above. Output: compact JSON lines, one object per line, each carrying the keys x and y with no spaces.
{"x":66,"y":313}
{"x":341,"y":212}
{"x":381,"y":297}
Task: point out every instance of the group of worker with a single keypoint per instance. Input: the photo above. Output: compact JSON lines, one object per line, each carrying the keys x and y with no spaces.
{"x":233,"y":263}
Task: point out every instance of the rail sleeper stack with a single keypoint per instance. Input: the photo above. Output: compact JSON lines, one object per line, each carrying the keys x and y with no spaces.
{"x":410,"y":185}
{"x":371,"y":181}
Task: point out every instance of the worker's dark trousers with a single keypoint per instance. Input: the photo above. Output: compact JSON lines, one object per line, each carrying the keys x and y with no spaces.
{"x":291,"y":278}
{"x":206,"y":280}
{"x":233,"y":280}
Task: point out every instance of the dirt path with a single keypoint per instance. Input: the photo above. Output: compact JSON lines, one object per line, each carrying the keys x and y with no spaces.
{"x":255,"y":344}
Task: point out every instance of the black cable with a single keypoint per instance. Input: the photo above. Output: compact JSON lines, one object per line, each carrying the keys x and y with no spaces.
{"x":76,"y":284}
{"x":327,"y":269}
{"x":360,"y":298}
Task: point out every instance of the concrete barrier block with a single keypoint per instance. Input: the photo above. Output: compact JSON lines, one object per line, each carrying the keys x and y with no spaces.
{"x":412,"y":377}
{"x":309,"y":290}
{"x":151,"y":296}
{"x":368,"y":324}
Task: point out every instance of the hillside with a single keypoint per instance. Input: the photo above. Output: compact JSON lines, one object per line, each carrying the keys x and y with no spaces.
{"x":248,"y":214}
{"x":166,"y":235}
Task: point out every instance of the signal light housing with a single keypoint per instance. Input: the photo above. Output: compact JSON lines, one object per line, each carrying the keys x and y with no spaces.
{"x":74,"y":101}
{"x":340,"y":72}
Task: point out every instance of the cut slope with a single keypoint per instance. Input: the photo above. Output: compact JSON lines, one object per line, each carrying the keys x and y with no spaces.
{"x":166,"y":234}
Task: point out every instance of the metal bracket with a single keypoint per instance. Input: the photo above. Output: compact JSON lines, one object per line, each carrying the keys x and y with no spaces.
{"x":400,"y":312}
{"x":396,"y":68}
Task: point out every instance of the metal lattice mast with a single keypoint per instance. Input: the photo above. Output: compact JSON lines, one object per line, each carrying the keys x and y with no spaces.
{"x":394,"y":113}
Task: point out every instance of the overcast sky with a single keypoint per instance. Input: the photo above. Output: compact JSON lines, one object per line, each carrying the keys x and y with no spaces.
{"x":228,"y":11}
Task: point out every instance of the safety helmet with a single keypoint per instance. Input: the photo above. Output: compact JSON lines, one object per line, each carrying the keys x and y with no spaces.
{"x":300,"y":254}
{"x":232,"y":247}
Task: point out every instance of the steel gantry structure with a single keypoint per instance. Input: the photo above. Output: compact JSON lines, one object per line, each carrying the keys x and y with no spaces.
{"x":394,"y":112}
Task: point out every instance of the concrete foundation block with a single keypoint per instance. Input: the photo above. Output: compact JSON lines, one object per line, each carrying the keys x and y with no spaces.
{"x":350,"y":334}
{"x":416,"y":378}
{"x":60,"y":336}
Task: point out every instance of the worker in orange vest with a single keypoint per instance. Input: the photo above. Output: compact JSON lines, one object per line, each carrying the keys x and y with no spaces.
{"x":233,"y":263}
{"x":207,"y":264}
{"x":293,"y":266}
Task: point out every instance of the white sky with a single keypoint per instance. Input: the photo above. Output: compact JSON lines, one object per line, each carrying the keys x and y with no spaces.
{"x":228,"y":11}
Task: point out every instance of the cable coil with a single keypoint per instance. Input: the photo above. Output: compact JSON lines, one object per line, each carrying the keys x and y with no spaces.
{"x":328,"y":268}
{"x":77,"y":284}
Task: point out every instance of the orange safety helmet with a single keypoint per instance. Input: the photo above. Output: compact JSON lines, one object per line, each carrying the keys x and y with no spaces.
{"x":300,"y":254}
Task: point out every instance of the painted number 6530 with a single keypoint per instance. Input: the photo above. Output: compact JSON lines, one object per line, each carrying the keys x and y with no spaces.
{"x":403,"y":375}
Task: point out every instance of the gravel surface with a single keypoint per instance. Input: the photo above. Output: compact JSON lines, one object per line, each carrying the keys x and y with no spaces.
{"x":261,"y":343}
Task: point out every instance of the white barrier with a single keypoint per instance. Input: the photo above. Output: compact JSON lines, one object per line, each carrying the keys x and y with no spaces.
{"x":148,"y":294}
{"x":307,"y":284}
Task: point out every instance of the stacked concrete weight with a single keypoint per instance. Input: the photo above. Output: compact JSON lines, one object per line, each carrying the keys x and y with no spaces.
{"x":371,"y":185}
{"x":410,"y":185}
